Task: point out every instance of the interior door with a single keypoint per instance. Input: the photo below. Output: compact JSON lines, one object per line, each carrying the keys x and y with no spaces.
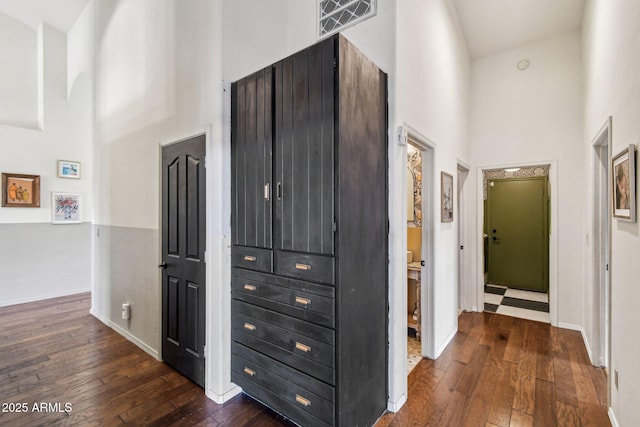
{"x":183,"y":267}
{"x":517,"y":211}
{"x":304,"y":151}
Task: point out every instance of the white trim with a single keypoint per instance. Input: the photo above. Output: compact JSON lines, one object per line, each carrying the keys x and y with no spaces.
{"x":612,"y":418}
{"x":395,"y":406}
{"x":222,"y":398}
{"x":553,"y":233}
{"x":463,"y":255}
{"x":44,"y":297}
{"x":445,"y":343}
{"x":128,"y":335}
{"x":580,"y":329}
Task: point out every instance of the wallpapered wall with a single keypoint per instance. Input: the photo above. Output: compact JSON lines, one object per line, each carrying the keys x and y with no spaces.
{"x":542,"y":170}
{"x":414,"y":173}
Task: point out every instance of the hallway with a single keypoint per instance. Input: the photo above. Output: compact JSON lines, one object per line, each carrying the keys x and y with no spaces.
{"x":497,"y":371}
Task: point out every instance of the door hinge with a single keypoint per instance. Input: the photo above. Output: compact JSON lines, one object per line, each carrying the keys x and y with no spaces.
{"x":205,"y":162}
{"x":335,"y":64}
{"x":607,"y":267}
{"x":461,"y":247}
{"x":335,"y":227}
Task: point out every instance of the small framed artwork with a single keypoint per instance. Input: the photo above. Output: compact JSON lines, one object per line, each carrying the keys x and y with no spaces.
{"x":446,"y":197}
{"x":66,"y":208}
{"x":20,"y":191}
{"x":68,"y":169}
{"x":623,"y":170}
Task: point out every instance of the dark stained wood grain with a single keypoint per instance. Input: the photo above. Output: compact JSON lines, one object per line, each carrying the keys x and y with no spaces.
{"x":544,"y":379}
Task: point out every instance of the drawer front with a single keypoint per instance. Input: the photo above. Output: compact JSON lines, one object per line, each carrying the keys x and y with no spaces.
{"x":291,"y":301}
{"x":252,"y":258}
{"x":258,"y":374}
{"x":290,"y":341}
{"x":315,"y":268}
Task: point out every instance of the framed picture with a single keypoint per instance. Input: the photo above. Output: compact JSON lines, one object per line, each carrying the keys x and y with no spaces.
{"x":623,"y":179}
{"x":66,"y":208}
{"x":20,"y":191}
{"x":68,"y":169}
{"x":446,"y":197}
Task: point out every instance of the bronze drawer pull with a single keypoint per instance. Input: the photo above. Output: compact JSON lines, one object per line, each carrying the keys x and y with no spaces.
{"x":303,"y":347}
{"x":304,"y":267}
{"x":249,"y":372}
{"x":250,"y":288}
{"x":301,"y":400}
{"x":249,"y":327}
{"x":249,"y":258}
{"x":303,"y":301}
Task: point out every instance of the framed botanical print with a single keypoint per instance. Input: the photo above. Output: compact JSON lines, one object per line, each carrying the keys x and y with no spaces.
{"x":446,"y":197}
{"x":65,"y":208}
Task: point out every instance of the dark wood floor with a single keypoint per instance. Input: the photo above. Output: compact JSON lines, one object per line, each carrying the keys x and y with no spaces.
{"x":498,"y":371}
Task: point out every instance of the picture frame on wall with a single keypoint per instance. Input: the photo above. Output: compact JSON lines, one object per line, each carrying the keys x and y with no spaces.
{"x":20,"y":190}
{"x":65,"y":208}
{"x":623,"y":180}
{"x":446,"y":197}
{"x":68,"y":169}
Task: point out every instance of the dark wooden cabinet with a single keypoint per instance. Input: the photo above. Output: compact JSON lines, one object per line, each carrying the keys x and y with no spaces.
{"x":309,"y":234}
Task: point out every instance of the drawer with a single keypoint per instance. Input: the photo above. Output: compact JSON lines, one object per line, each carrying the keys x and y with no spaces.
{"x":258,"y":374}
{"x":252,"y":258}
{"x":315,"y":268}
{"x":284,"y":338}
{"x":310,"y":355}
{"x":288,"y":299}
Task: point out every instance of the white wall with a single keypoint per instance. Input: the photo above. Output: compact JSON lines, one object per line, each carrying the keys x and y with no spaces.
{"x":535,"y":117}
{"x":612,"y":88}
{"x":62,"y":255}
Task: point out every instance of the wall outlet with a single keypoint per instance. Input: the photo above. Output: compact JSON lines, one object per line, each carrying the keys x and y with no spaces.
{"x":615,"y":378}
{"x":126,"y":311}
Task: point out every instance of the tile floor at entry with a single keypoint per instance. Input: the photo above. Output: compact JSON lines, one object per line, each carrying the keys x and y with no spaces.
{"x":517,"y":303}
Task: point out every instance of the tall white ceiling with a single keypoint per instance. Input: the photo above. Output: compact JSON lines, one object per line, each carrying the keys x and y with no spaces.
{"x":492,"y":26}
{"x":60,"y":14}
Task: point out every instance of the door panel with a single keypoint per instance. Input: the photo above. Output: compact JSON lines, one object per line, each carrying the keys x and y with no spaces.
{"x":183,"y":279}
{"x":518,"y":233}
{"x":251,"y":153}
{"x":304,"y":151}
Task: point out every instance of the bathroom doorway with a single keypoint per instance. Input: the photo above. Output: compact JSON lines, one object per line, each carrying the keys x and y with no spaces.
{"x":419,"y":194}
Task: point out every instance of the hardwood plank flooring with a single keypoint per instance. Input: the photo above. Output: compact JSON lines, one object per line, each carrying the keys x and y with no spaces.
{"x":498,"y":371}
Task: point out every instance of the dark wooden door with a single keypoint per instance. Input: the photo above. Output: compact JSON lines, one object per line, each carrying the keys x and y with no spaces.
{"x":304,"y":150}
{"x":183,"y":247}
{"x":518,"y":233}
{"x":251,"y":154}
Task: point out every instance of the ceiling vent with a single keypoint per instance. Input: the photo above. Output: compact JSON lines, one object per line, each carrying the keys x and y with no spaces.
{"x":335,"y":15}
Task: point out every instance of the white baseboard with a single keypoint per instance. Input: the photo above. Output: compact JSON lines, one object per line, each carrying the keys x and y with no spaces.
{"x":44,"y":297}
{"x":222,"y":398}
{"x":143,"y":346}
{"x":584,"y":338}
{"x":612,"y":418}
{"x":395,"y":406}
{"x":446,"y":342}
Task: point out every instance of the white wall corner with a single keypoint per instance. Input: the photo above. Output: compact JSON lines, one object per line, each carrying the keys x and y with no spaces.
{"x":612,"y":418}
{"x":394,"y":406}
{"x":445,"y":343}
{"x":220,"y":398}
{"x":41,"y":71}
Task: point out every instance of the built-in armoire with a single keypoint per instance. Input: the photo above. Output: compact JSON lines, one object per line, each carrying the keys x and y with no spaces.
{"x":309,"y":236}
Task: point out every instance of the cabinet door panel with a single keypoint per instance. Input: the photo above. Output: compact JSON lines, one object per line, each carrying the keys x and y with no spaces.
{"x":251,"y":153}
{"x":304,"y":150}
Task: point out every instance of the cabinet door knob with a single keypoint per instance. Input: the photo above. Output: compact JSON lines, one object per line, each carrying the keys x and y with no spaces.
{"x":249,"y":372}
{"x":301,"y":400}
{"x":248,"y":287}
{"x":249,"y":258}
{"x":249,"y":327}
{"x":303,"y":267}
{"x":279,"y":190}
{"x":266,"y":191}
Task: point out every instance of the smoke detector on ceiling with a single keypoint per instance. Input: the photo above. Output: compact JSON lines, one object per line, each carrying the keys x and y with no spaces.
{"x":523,"y":64}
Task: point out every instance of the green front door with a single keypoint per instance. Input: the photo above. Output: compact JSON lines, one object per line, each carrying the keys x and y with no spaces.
{"x":517,"y":226}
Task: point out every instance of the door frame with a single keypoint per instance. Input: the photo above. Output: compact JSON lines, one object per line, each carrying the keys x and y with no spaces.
{"x":427,"y":148}
{"x":218,"y":385}
{"x":601,"y":232}
{"x":463,"y":171}
{"x":553,"y":233}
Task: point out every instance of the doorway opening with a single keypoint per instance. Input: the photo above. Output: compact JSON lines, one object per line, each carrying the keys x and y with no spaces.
{"x":602,"y":248}
{"x":516,"y":242}
{"x":419,"y":251}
